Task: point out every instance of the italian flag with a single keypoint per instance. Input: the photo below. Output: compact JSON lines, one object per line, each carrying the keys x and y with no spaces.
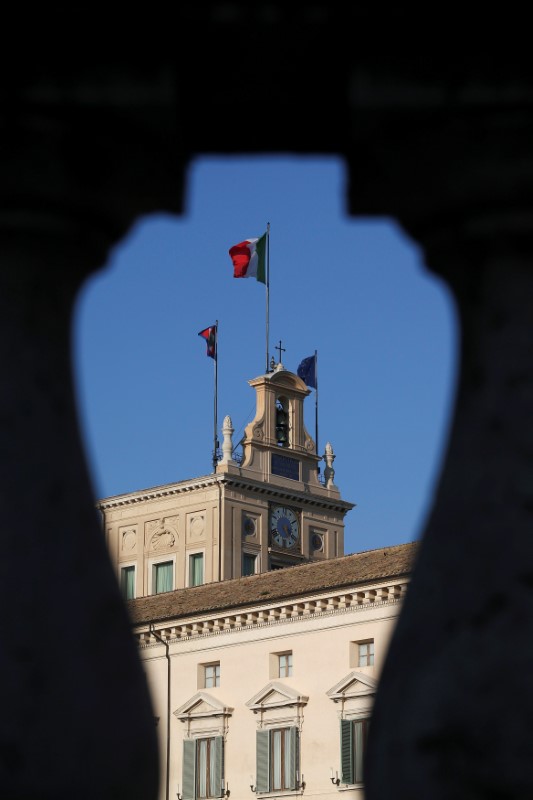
{"x":249,"y":259}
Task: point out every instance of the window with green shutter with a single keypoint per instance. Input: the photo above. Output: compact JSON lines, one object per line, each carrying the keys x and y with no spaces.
{"x":354,"y":733}
{"x":249,"y":563}
{"x":196,"y":569}
{"x":163,"y":577}
{"x":203,"y":768}
{"x":277,"y":759}
{"x":189,"y":769}
{"x":127,"y":582}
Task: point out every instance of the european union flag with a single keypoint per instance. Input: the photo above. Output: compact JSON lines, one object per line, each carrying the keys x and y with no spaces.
{"x":307,"y":371}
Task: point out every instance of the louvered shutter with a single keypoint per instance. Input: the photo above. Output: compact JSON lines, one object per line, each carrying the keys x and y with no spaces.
{"x":262,"y":780}
{"x":347,"y":775}
{"x":189,"y":769}
{"x":292,"y":733}
{"x":359,"y":729}
{"x":218,"y":744}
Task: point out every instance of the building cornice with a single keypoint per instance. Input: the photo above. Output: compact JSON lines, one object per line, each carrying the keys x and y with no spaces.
{"x":288,"y":494}
{"x":237,"y":482}
{"x":158,"y":492}
{"x":354,"y":599}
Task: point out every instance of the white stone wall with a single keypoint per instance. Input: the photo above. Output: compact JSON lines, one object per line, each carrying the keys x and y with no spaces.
{"x":320,"y":632}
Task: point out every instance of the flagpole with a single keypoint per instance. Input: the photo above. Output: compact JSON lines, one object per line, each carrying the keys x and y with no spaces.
{"x":316,"y":408}
{"x":215,"y":440}
{"x":267,"y":289}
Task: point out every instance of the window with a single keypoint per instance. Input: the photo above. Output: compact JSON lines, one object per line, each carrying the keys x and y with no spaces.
{"x":280,"y":665}
{"x":248,"y":564}
{"x":354,"y":733}
{"x":196,"y":569}
{"x":163,"y":577}
{"x":277,"y":759}
{"x":285,"y":665}
{"x":203,"y":768}
{"x":127,"y":582}
{"x":211,"y":675}
{"x":365,"y":653}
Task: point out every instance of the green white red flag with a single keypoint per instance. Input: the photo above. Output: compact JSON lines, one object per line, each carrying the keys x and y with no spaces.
{"x":249,"y":259}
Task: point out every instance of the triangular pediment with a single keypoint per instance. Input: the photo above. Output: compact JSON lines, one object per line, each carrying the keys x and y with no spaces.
{"x":355,"y":684}
{"x":202,"y":704}
{"x":276,"y":695}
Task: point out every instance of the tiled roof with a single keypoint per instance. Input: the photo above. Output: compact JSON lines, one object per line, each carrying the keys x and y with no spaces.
{"x":370,"y":566}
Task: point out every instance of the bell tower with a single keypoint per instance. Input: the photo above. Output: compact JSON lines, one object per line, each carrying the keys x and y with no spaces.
{"x":276,"y":507}
{"x":276,"y":443}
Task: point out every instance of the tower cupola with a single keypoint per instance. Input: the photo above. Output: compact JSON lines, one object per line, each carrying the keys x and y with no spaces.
{"x":276,"y":443}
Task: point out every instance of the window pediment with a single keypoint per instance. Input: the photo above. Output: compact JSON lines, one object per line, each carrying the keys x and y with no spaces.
{"x":353,"y":685}
{"x":202,"y":705}
{"x":276,"y":695}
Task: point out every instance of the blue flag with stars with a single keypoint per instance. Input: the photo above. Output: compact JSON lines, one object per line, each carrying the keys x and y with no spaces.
{"x":307,"y":371}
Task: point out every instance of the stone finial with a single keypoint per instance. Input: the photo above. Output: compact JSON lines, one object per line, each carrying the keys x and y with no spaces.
{"x":329,"y":472}
{"x":227,"y":444}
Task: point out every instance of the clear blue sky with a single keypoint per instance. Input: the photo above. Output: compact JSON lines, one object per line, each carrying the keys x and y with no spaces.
{"x":354,"y":289}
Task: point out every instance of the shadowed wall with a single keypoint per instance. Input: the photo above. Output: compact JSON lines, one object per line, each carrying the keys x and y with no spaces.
{"x":436,"y":131}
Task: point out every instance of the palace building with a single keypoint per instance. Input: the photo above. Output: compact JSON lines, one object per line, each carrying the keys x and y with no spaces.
{"x":261,"y":641}
{"x":269,"y":511}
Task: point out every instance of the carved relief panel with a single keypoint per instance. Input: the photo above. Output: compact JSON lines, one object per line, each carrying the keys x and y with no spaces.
{"x":127,"y":541}
{"x":161,"y":534}
{"x":196,"y":527}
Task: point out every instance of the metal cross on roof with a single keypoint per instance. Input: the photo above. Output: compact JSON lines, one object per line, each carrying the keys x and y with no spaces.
{"x":281,"y":349}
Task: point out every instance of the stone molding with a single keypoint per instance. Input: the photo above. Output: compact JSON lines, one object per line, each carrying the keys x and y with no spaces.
{"x":202,"y":704}
{"x":280,"y":613}
{"x":276,"y":695}
{"x":346,"y":688}
{"x":268,"y":490}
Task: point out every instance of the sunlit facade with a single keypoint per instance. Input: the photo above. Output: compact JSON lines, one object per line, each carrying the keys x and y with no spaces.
{"x":262,"y":643}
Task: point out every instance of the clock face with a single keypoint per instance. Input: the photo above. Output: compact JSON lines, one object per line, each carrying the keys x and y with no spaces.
{"x":284,"y":528}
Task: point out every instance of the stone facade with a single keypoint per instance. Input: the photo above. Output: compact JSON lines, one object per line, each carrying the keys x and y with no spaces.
{"x":299,"y":650}
{"x":219,"y":526}
{"x":247,"y":617}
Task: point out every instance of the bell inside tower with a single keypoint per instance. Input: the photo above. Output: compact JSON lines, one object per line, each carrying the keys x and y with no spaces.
{"x":282,"y":421}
